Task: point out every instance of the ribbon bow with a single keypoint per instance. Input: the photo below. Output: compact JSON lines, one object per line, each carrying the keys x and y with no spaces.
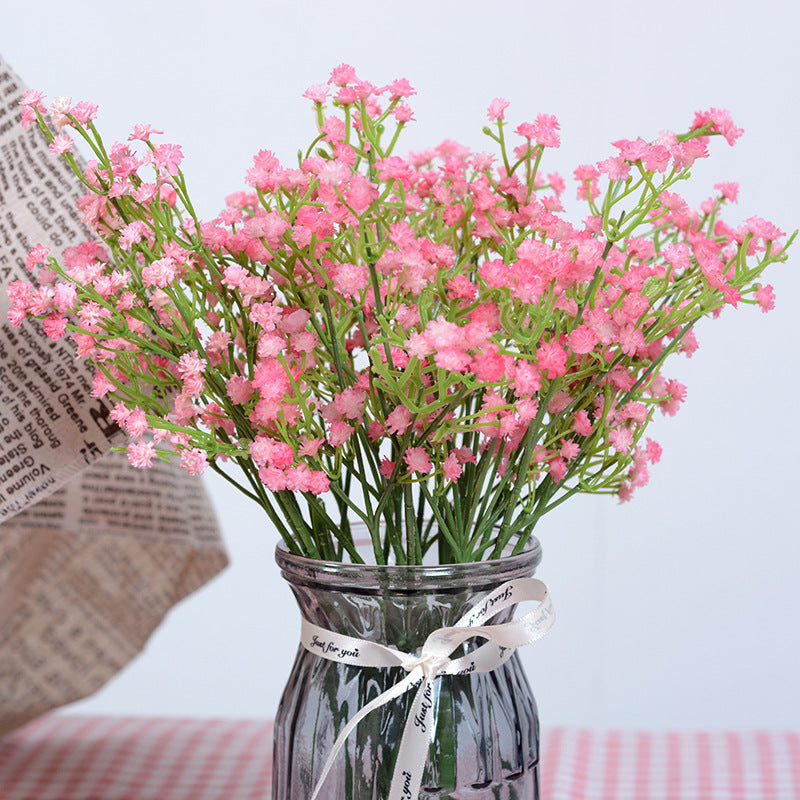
{"x":429,"y":665}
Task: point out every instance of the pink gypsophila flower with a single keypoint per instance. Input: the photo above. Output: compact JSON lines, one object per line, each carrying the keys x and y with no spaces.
{"x":177,"y":440}
{"x":217,"y":343}
{"x":376,"y":431}
{"x":452,"y":467}
{"x":581,"y":424}
{"x":453,"y":359}
{"x":552,"y":359}
{"x":621,"y":439}
{"x":239,"y":389}
{"x":398,"y":420}
{"x":194,"y":461}
{"x":527,"y":379}
{"x":582,"y":339}
{"x":760,"y":228}
{"x":316,"y":93}
{"x":765,"y":296}
{"x":403,"y":113}
{"x":653,"y":451}
{"x":119,"y":413}
{"x":31,"y":98}
{"x":465,"y":455}
{"x":84,"y":112}
{"x":339,"y":432}
{"x":676,"y":395}
{"x":489,"y":366}
{"x":294,"y":321}
{"x":417,"y":460}
{"x":101,"y":385}
{"x":615,"y":167}
{"x":631,"y":339}
{"x":214,"y":417}
{"x":342,"y":75}
{"x":721,"y":122}
{"x":27,"y":117}
{"x":729,"y":190}
{"x":545,"y":131}
{"x":54,"y":326}
{"x":141,"y":454}
{"x":319,"y":483}
{"x":61,"y":144}
{"x":190,"y":365}
{"x":350,"y":279}
{"x":350,"y":403}
{"x":271,"y":379}
{"x":298,"y":478}
{"x":160,"y":273}
{"x":462,"y":287}
{"x":569,"y":450}
{"x":638,"y":473}
{"x":281,"y":455}
{"x":260,"y":449}
{"x":527,"y":409}
{"x":59,"y":109}
{"x":136,"y":423}
{"x":309,"y":447}
{"x":557,"y":468}
{"x":497,"y":109}
{"x":625,"y":493}
{"x":400,"y":88}
{"x":37,"y":255}
{"x":273,"y":478}
{"x":167,"y":157}
{"x":143,"y":132}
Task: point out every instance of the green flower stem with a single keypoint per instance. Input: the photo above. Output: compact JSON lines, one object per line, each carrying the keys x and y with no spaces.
{"x":452,"y":552}
{"x":287,"y":505}
{"x":490,"y":498}
{"x":259,"y":496}
{"x":530,"y":439}
{"x":369,"y":521}
{"x":458,"y":519}
{"x":413,"y":548}
{"x":501,"y":139}
{"x":321,"y":535}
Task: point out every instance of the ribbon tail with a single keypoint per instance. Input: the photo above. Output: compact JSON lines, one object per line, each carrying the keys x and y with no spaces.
{"x":381,"y":700}
{"x":412,"y":754}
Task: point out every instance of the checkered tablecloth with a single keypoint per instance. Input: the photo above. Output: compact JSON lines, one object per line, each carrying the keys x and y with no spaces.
{"x":129,"y":758}
{"x":580,"y":764}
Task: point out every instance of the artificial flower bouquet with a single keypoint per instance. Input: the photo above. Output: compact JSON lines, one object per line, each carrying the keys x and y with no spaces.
{"x":422,"y":344}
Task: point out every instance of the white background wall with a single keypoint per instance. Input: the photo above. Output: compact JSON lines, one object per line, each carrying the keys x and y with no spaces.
{"x":681,"y":609}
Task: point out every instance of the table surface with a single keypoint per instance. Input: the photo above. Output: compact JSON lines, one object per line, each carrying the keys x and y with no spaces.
{"x":64,"y":757}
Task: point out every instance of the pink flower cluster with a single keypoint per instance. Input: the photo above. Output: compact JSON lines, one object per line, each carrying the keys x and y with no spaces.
{"x":400,"y":318}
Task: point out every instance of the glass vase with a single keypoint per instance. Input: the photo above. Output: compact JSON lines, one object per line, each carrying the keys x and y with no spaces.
{"x":487,"y":730}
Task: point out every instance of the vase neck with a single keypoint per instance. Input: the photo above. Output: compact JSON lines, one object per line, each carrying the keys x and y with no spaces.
{"x":394,"y":605}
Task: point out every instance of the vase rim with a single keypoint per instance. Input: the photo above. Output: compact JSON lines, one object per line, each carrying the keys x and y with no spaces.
{"x":478,"y":574}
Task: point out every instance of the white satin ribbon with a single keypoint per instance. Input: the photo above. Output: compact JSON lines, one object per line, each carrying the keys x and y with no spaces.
{"x":428,"y":665}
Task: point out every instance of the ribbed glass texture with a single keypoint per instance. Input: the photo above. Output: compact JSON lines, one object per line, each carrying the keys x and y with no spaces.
{"x":487,"y":734}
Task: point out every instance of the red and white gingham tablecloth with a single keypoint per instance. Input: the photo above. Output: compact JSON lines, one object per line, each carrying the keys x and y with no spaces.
{"x":130,"y":758}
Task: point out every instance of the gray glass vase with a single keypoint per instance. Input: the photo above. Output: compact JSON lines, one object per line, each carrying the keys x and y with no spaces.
{"x":487,"y":734}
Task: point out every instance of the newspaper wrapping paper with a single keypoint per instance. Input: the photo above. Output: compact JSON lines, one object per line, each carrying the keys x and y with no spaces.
{"x":92,"y":553}
{"x":431,"y":663}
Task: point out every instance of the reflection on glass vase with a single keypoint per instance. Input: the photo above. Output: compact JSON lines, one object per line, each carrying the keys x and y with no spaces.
{"x":487,"y":732}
